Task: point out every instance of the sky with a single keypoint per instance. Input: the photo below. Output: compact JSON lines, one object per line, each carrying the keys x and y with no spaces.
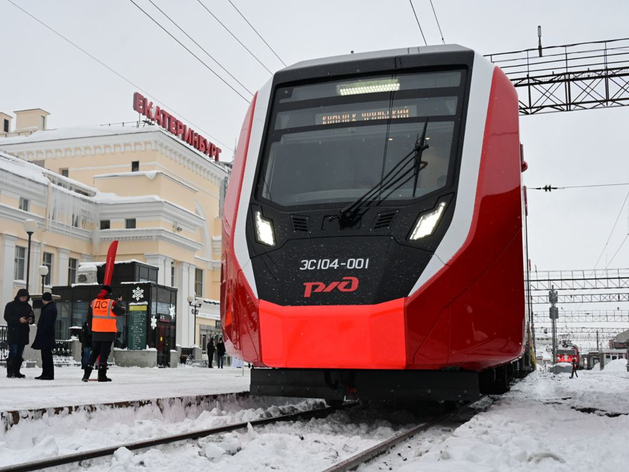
{"x":568,"y":229}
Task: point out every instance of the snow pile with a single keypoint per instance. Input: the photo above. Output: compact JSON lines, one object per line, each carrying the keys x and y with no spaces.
{"x":618,"y":365}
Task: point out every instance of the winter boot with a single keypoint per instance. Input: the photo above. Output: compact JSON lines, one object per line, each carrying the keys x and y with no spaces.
{"x":9,"y":368}
{"x":102,"y":374}
{"x":16,"y":369}
{"x":87,"y":372}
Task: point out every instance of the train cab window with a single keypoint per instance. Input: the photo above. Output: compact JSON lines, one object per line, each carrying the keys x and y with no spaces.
{"x":331,"y":142}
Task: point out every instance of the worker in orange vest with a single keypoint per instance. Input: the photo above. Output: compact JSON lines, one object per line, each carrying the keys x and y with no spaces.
{"x":101,"y":317}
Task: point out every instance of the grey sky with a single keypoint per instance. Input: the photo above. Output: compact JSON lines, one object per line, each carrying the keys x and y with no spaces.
{"x":567,"y":229}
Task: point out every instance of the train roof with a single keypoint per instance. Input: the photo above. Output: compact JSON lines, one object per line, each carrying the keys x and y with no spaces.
{"x":361,"y":56}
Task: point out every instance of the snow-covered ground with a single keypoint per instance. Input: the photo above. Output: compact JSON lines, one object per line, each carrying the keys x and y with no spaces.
{"x":129,"y":383}
{"x":539,"y":426}
{"x":545,"y":423}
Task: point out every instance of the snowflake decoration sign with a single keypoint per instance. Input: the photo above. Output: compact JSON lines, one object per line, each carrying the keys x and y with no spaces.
{"x":171,"y":311}
{"x":138,"y":294}
{"x":153,"y":322}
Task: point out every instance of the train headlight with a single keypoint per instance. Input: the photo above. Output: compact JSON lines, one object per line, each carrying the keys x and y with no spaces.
{"x":264,"y":229}
{"x":428,"y":222}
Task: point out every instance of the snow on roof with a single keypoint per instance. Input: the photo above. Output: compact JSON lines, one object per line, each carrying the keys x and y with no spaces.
{"x":43,"y":176}
{"x":75,"y":132}
{"x":22,"y":168}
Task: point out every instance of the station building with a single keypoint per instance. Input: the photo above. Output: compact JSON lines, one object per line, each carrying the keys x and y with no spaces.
{"x":149,"y":189}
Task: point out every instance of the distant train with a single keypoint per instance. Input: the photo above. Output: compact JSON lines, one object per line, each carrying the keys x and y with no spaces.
{"x":568,"y":354}
{"x":373,"y":230}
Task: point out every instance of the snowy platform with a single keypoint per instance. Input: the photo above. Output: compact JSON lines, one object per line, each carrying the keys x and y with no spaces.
{"x":129,"y":384}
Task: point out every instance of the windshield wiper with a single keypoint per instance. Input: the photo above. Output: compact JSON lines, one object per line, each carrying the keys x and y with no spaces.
{"x":391,"y":178}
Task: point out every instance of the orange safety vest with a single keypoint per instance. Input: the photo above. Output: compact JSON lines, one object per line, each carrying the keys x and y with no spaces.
{"x":103,"y":316}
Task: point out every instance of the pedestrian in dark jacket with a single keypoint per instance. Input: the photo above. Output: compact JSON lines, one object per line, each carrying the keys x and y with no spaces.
{"x":45,"y":338}
{"x":210,"y":352}
{"x":101,"y":318}
{"x":574,"y":368}
{"x":85,"y":336}
{"x":18,"y":315}
{"x":220,"y":351}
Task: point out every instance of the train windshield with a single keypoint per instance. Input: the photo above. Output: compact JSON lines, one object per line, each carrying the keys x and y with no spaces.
{"x":329,"y":143}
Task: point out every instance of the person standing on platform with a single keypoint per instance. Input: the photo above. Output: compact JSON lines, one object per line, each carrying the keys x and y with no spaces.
{"x":220,"y":351}
{"x":45,"y":337}
{"x":101,"y":317}
{"x":210,"y":352}
{"x":18,"y":315}
{"x":85,"y":336}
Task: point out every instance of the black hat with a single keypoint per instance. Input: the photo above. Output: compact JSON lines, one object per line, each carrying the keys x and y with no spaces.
{"x":47,"y":297}
{"x":22,"y":293}
{"x":107,"y":288}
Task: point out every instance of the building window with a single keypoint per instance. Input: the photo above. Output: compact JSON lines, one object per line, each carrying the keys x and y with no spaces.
{"x":135,"y":166}
{"x":42,"y":122}
{"x":198,"y":282}
{"x":65,"y":172}
{"x":6,"y":125}
{"x":25,"y":204}
{"x":129,"y":223}
{"x":104,"y":224}
{"x":172,"y":274}
{"x":48,"y":258}
{"x":75,"y":221}
{"x":19,"y":270}
{"x":72,"y":266}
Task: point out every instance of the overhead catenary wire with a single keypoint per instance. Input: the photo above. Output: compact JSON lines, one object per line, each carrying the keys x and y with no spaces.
{"x":612,"y":232}
{"x":191,"y":53}
{"x":111,"y":69}
{"x":618,"y":250}
{"x":234,"y":36}
{"x":437,"y":20}
{"x":548,"y":188}
{"x":256,"y":31}
{"x":200,"y":47}
{"x":418,"y":24}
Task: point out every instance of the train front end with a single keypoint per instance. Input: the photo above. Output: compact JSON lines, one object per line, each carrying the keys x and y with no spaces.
{"x":372,"y":229}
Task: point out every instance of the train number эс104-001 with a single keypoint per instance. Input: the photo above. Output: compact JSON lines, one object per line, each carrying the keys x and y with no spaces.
{"x":324,"y":264}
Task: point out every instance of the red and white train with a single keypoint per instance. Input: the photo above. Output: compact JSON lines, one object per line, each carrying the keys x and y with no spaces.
{"x":373,"y":229}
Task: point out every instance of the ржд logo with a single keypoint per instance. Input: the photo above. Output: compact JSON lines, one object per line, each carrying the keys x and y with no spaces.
{"x":348,"y":284}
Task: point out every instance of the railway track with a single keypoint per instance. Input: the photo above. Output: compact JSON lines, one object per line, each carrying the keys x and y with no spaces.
{"x":348,"y":464}
{"x":108,"y":451}
{"x":386,"y":445}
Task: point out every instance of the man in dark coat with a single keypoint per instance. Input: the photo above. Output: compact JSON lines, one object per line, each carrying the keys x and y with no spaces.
{"x":101,"y":317}
{"x":210,"y":352}
{"x":85,"y":336}
{"x":18,"y":315}
{"x":45,"y":338}
{"x":220,"y":351}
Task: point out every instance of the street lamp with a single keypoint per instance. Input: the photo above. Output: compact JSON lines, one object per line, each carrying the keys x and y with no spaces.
{"x":195,"y":303}
{"x":30,"y":226}
{"x":43,"y":272}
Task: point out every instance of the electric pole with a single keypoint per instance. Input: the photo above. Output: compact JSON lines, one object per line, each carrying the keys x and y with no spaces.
{"x":553,"y":298}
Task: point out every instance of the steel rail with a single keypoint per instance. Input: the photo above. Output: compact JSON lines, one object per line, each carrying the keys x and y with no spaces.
{"x":385,"y":446}
{"x":108,"y":451}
